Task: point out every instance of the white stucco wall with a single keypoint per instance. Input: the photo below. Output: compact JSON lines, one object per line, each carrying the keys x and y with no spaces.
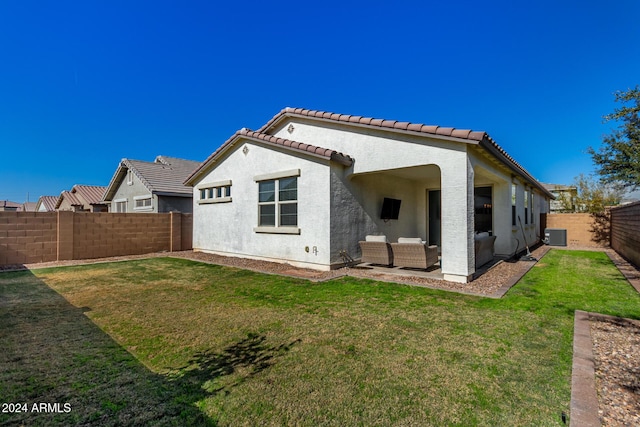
{"x":338,"y":205}
{"x":378,"y":151}
{"x":228,"y":228}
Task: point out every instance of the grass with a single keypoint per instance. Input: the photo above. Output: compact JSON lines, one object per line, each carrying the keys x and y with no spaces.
{"x":175,"y":342}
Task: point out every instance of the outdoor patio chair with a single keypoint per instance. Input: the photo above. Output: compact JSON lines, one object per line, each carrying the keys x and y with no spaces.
{"x":376,"y":250}
{"x":413,"y":253}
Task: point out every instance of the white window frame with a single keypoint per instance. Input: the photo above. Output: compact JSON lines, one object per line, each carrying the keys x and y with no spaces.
{"x":214,"y":192}
{"x":145,"y":207}
{"x":278,"y":228}
{"x":129,"y":177}
{"x":119,"y":202}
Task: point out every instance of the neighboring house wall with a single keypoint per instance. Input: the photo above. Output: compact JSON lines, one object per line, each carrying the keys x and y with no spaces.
{"x":129,"y":190}
{"x":140,"y":199}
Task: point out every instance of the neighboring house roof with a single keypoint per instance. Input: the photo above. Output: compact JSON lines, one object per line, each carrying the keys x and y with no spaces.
{"x":9,"y":205}
{"x":164,"y":176}
{"x":464,"y":135}
{"x":559,"y":187}
{"x":247,"y":134}
{"x":92,"y":194}
{"x":81,"y":195}
{"x":49,"y":203}
{"x":29,"y":206}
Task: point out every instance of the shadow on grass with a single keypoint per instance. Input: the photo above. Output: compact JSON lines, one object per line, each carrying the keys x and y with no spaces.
{"x":53,"y":354}
{"x":210,"y":372}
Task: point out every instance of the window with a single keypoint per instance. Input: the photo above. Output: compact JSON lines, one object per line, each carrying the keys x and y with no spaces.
{"x":513,"y":204}
{"x":278,"y":203}
{"x":531,"y":204}
{"x":483,"y":218}
{"x":142,"y":203}
{"x":119,"y":206}
{"x":215,"y":192}
{"x":526,"y":206}
{"x":129,"y":177}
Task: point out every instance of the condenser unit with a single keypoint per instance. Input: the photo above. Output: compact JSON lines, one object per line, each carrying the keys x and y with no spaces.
{"x":555,"y":236}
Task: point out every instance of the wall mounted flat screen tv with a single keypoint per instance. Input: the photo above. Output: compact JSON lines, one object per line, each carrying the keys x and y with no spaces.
{"x":390,"y":209}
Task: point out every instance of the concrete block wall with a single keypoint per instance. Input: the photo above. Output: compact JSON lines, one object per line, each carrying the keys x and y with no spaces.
{"x":28,"y":237}
{"x":579,"y":228}
{"x":625,"y":231}
{"x":100,"y":235}
{"x":31,"y":237}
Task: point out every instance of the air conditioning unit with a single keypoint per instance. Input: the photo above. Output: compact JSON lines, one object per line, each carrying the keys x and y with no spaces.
{"x":555,"y":236}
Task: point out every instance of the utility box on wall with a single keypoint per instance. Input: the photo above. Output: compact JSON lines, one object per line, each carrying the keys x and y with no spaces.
{"x":555,"y":236}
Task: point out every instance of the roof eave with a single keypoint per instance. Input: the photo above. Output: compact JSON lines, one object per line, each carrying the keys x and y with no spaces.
{"x":487,"y":144}
{"x":257,"y":137}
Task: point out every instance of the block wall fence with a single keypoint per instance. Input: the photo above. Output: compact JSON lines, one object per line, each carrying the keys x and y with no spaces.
{"x":625,"y":231}
{"x":580,"y":229}
{"x":31,"y":237}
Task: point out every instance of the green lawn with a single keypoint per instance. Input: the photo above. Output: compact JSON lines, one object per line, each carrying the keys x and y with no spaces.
{"x":175,"y":342}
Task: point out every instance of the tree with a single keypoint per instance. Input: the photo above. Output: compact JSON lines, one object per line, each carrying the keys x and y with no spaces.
{"x":592,"y":196}
{"x":618,"y":159}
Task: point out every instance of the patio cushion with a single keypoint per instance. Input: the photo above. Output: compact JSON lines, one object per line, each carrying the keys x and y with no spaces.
{"x":372,"y":238}
{"x":409,"y":240}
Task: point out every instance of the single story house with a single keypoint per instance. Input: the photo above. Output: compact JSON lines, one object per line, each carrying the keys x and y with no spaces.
{"x":157,"y":186}
{"x":307,"y":186}
{"x":82,"y":198}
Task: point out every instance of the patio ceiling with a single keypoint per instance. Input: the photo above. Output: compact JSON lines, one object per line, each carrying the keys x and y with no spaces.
{"x":415,"y":173}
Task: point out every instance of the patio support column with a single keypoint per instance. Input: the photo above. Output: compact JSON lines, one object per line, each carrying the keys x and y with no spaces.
{"x":458,"y":254}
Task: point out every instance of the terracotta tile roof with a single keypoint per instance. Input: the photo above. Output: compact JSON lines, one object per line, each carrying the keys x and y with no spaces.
{"x":49,"y":202}
{"x":9,"y":205}
{"x":91,"y":194}
{"x":164,"y":176}
{"x":28,"y":207}
{"x":71,"y":197}
{"x":476,"y":137}
{"x":81,"y":195}
{"x":272,"y":140}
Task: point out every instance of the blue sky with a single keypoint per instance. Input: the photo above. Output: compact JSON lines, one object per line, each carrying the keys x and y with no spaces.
{"x":84,"y":84}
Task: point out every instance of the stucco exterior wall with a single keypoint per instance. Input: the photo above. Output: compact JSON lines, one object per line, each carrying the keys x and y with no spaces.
{"x":228,"y":228}
{"x":129,"y":192}
{"x":376,"y":151}
{"x":509,"y":237}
